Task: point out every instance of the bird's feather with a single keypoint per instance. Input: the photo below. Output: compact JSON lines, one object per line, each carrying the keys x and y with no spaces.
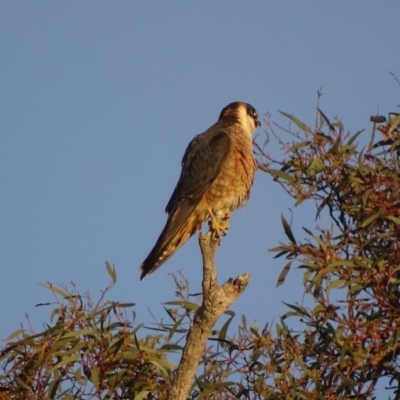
{"x":201,"y":164}
{"x":203,"y":160}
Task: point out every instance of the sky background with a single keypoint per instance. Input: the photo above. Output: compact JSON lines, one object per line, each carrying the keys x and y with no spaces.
{"x":98,"y":101}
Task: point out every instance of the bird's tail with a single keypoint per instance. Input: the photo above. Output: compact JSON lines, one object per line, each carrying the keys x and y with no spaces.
{"x":169,"y":242}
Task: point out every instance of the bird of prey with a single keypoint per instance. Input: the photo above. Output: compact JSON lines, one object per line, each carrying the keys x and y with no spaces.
{"x":218,"y":170}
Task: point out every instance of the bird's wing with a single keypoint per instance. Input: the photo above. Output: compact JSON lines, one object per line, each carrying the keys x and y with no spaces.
{"x":201,"y":165}
{"x":203,"y":161}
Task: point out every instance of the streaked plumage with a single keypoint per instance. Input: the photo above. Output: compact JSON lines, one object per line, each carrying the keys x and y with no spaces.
{"x":218,"y":170}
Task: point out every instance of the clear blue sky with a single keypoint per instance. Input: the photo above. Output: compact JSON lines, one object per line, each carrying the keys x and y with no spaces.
{"x":98,"y":101}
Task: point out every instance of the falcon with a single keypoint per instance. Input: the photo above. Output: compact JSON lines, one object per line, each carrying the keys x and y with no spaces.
{"x":218,"y":170}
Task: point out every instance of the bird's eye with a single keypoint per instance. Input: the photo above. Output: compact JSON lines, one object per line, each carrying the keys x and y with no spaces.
{"x":253,"y":112}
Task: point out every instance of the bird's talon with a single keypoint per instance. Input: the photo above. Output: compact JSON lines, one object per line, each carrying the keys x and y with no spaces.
{"x":219,"y":226}
{"x":216,"y":237}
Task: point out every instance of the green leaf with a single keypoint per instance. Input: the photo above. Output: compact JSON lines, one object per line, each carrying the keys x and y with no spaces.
{"x":354,"y":137}
{"x":170,"y":314}
{"x":301,"y":311}
{"x":288,"y":230}
{"x":355,"y":288}
{"x":175,"y":327}
{"x":317,"y":309}
{"x":341,"y":263}
{"x":231,"y":313}
{"x":184,"y":304}
{"x":111,"y":271}
{"x":171,"y":347}
{"x":316,"y":166}
{"x":255,"y":332}
{"x":256,"y":354}
{"x":224,"y":329}
{"x":338,"y":124}
{"x":125,"y":305}
{"x":343,"y":350}
{"x":14,"y":334}
{"x":162,"y":368}
{"x":136,"y":341}
{"x":378,"y":119}
{"x":339,"y":283}
{"x":394,"y":219}
{"x":326,"y":119}
{"x":79,"y":332}
{"x":244,"y":322}
{"x":307,"y":231}
{"x":66,"y":360}
{"x":370,"y":220}
{"x":55,"y":290}
{"x":142,"y":395}
{"x":281,"y":174}
{"x":321,"y":207}
{"x":299,"y":123}
{"x":95,"y":377}
{"x":322,"y":136}
{"x":305,"y":196}
{"x":53,"y":387}
{"x":279,"y":248}
{"x":283,"y":274}
{"x":129,"y":356}
{"x":335,"y":146}
{"x":22,"y":383}
{"x":297,"y":146}
{"x":280,"y":254}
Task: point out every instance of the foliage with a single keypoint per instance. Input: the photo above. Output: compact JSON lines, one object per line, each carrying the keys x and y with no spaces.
{"x":90,"y":351}
{"x":349,"y":339}
{"x":351,"y":268}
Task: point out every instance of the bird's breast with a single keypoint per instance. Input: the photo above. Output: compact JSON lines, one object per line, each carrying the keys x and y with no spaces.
{"x":231,"y":188}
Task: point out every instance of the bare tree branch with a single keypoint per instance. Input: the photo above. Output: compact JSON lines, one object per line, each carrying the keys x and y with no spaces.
{"x":216,"y":300}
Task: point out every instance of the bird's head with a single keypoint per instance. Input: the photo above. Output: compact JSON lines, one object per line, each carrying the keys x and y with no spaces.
{"x":243,"y":113}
